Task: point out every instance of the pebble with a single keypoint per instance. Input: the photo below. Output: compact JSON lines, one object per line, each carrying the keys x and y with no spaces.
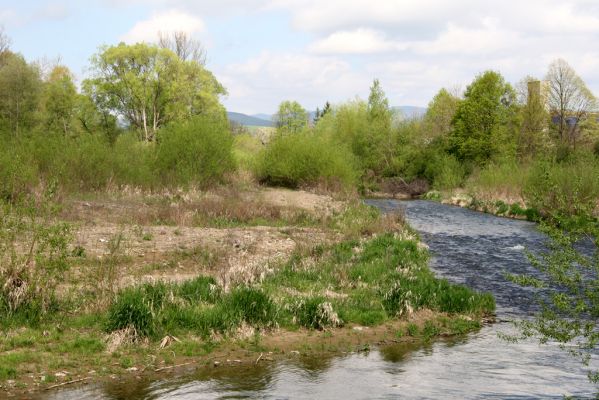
{"x":216,"y":363}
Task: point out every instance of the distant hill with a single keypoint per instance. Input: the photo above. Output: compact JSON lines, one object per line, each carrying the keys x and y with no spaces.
{"x":267,"y":119}
{"x":248,"y":120}
{"x":411,"y":111}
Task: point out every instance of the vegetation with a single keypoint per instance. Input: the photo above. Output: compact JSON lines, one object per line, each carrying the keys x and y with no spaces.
{"x":149,"y":120}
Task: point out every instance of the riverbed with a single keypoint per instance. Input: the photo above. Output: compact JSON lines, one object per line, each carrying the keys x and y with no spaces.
{"x":468,"y":247}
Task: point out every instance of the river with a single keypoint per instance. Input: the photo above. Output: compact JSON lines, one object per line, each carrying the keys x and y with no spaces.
{"x":468,"y":247}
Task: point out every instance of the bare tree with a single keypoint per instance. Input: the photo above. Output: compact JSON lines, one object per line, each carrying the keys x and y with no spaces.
{"x":569,"y":100}
{"x":4,"y":41}
{"x":184,"y":46}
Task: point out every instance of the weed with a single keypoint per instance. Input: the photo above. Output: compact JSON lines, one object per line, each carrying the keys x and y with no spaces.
{"x":412,"y":330}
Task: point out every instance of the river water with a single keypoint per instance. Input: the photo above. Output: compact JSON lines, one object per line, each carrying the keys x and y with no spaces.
{"x":468,"y":247}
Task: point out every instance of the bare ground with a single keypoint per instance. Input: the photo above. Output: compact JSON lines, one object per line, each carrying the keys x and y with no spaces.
{"x":132,"y":227}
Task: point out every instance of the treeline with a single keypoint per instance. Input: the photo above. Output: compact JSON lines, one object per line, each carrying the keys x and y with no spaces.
{"x":527,"y":141}
{"x":147,"y":115}
{"x":150,"y":116}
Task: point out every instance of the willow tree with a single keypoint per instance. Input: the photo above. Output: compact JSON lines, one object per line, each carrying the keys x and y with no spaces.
{"x":150,"y":86}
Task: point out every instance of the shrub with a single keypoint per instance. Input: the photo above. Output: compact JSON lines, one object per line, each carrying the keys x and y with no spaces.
{"x":306,"y":159}
{"x":566,"y":190}
{"x":197,"y":151}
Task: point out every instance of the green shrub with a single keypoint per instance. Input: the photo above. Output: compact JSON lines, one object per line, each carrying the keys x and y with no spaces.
{"x":197,"y":151}
{"x":306,"y":159}
{"x":566,"y":190}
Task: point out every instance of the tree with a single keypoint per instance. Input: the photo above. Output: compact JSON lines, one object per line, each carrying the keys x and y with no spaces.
{"x":320,"y":114}
{"x":440,"y":113}
{"x":150,"y":86}
{"x":4,"y":42}
{"x":484,"y":123}
{"x":185,"y":47}
{"x":20,"y":86}
{"x":59,"y":99}
{"x":569,"y":100}
{"x":291,"y":117}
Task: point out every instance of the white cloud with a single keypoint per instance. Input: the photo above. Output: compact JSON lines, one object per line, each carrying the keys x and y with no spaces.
{"x":463,"y":40}
{"x":262,"y":82}
{"x":359,"y":41}
{"x":169,"y":21}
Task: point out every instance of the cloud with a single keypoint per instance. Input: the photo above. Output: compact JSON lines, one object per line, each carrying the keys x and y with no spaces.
{"x":260,"y":83}
{"x":489,"y":38}
{"x":359,"y":41}
{"x":169,"y":21}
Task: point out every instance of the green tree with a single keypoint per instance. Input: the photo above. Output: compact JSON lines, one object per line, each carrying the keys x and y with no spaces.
{"x":291,"y":117}
{"x":378,"y":145}
{"x":484,"y":123}
{"x":441,"y":111}
{"x":150,"y":86}
{"x":320,"y":114}
{"x":20,"y":86}
{"x":59,"y":100}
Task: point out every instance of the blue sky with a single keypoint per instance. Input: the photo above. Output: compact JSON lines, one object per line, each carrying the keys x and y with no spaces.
{"x":266,"y":51}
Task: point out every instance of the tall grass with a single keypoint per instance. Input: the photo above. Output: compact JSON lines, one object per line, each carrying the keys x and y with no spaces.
{"x":500,"y":179}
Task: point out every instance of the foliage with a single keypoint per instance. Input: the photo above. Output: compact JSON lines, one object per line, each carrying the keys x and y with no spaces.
{"x":197,"y":151}
{"x":564,"y":191}
{"x":570,"y":281}
{"x":59,"y":100}
{"x":291,"y":117}
{"x":28,"y":279}
{"x":305,"y":159}
{"x":150,"y":86}
{"x":439,"y":115}
{"x":484,"y":121}
{"x":20,"y":86}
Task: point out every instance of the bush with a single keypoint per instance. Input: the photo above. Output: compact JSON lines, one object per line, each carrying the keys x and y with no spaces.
{"x":498,"y":179}
{"x":564,"y":190}
{"x":306,"y":159}
{"x":198,"y":151}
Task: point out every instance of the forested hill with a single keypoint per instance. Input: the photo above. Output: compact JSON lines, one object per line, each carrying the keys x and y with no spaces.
{"x":247,"y":120}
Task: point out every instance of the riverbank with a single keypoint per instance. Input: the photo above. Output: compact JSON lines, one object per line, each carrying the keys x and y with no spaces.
{"x":155,"y":281}
{"x":501,"y":205}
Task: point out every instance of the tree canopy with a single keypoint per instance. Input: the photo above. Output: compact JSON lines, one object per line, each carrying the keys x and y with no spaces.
{"x":484,"y":121}
{"x":150,"y":86}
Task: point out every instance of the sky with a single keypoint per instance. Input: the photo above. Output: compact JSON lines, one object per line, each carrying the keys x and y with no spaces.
{"x":313,"y":51}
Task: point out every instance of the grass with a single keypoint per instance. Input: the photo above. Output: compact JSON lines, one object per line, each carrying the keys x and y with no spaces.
{"x":317,"y":289}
